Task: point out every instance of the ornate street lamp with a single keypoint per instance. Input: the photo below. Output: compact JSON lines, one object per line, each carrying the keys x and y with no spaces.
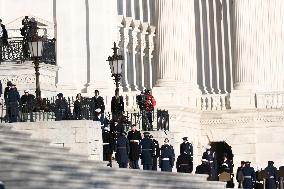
{"x":36,"y":46}
{"x":116,"y":62}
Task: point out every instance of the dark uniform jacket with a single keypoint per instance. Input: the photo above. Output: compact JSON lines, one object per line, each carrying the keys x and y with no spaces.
{"x":167,"y":158}
{"x":184,"y":163}
{"x":61,"y":109}
{"x":203,"y":169}
{"x":249,"y":177}
{"x":98,"y":103}
{"x":157,"y":148}
{"x":117,"y":105}
{"x":212,"y":162}
{"x":28,"y":102}
{"x":271,"y":181}
{"x":115,"y":132}
{"x":106,"y":142}
{"x":187,"y":148}
{"x":134,"y":138}
{"x":227,"y":166}
{"x":122,"y":150}
{"x":147,"y":151}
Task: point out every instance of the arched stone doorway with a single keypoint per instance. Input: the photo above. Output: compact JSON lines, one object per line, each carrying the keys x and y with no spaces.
{"x":220,"y":148}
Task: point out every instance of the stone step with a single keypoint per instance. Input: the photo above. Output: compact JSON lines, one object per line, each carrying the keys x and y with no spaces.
{"x":118,"y":177}
{"x":127,"y":182}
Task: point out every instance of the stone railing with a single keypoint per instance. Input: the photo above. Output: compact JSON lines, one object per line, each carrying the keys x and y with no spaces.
{"x":213,"y":102}
{"x":271,"y":100}
{"x":17,"y":50}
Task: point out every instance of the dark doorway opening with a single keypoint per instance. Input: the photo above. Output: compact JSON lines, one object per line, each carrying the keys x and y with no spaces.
{"x":221,"y":148}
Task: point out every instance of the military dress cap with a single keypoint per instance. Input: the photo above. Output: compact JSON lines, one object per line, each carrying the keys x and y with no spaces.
{"x":26,"y":91}
{"x":270,"y":162}
{"x":243,"y":162}
{"x":184,"y":138}
{"x":208,"y":147}
{"x":60,"y":95}
{"x":98,"y":110}
{"x":146,"y":133}
{"x":247,"y":162}
{"x":9,"y":83}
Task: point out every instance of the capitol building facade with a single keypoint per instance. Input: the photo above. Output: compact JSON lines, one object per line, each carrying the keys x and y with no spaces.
{"x":216,"y":65}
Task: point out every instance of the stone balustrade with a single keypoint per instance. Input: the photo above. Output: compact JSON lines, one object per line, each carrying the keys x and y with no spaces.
{"x":213,"y":102}
{"x":271,"y":100}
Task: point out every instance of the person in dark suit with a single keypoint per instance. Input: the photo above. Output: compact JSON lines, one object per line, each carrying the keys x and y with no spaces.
{"x":134,"y":137}
{"x":249,"y":176}
{"x":117,"y":105}
{"x":271,"y":171}
{"x":147,"y":151}
{"x":156,"y":154}
{"x":61,"y":108}
{"x":13,"y":99}
{"x":167,"y":157}
{"x":3,"y":35}
{"x":122,"y":151}
{"x":77,"y":111}
{"x":210,"y":156}
{"x":97,"y":102}
{"x":239,"y":173}
{"x":203,"y":168}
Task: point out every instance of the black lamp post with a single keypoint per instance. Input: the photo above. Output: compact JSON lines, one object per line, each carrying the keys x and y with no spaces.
{"x":36,"y":46}
{"x":116,"y":62}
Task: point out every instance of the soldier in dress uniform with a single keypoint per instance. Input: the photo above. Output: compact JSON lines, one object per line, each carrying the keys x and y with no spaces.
{"x":167,"y":157}
{"x":249,"y":176}
{"x":184,"y":163}
{"x":107,"y":151}
{"x":203,"y":168}
{"x":186,"y":148}
{"x":122,"y":150}
{"x":147,"y":151}
{"x":117,"y":105}
{"x":134,"y":137}
{"x":61,"y":108}
{"x":271,"y":171}
{"x":210,"y":156}
{"x":13,"y":99}
{"x":157,"y":153}
{"x":239,"y":173}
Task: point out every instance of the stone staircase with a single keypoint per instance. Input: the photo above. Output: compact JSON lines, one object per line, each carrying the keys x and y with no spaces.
{"x":27,"y":163}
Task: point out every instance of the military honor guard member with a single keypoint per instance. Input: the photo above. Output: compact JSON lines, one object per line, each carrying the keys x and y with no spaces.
{"x":156,"y":154}
{"x":271,"y":172}
{"x":203,"y":168}
{"x":134,"y":137}
{"x":240,"y":173}
{"x":167,"y":157}
{"x":249,"y":176}
{"x":147,"y":151}
{"x":184,"y":163}
{"x":210,"y":156}
{"x":122,"y":151}
{"x":186,"y":148}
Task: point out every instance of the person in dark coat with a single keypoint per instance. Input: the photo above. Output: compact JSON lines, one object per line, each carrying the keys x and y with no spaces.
{"x":77,"y":111}
{"x":271,"y":171}
{"x":186,"y":148}
{"x":97,"y":102}
{"x":3,"y":35}
{"x":147,"y":151}
{"x":117,"y":105}
{"x":116,"y":128}
{"x":13,"y":104}
{"x":134,"y":137}
{"x":28,"y":104}
{"x":167,"y":157}
{"x":184,"y":163}
{"x":156,"y":154}
{"x":239,"y":173}
{"x":210,"y":156}
{"x":122,"y":151}
{"x":227,"y":166}
{"x":203,"y":168}
{"x":107,"y":151}
{"x":249,"y":176}
{"x":61,"y":108}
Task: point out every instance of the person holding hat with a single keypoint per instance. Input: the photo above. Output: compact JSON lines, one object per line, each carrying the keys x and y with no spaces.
{"x":134,"y":137}
{"x":249,"y":176}
{"x":13,"y":99}
{"x":117,"y":105}
{"x":157,"y":153}
{"x":97,"y":103}
{"x":122,"y":150}
{"x":210,"y":156}
{"x":147,"y":148}
{"x":167,"y":157}
{"x":271,"y":172}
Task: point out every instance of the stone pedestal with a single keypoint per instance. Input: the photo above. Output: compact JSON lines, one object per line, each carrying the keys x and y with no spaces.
{"x":242,"y":99}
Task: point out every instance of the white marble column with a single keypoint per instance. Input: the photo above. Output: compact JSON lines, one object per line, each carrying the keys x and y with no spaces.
{"x":149,"y":67}
{"x":141,"y":56}
{"x":177,"y":67}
